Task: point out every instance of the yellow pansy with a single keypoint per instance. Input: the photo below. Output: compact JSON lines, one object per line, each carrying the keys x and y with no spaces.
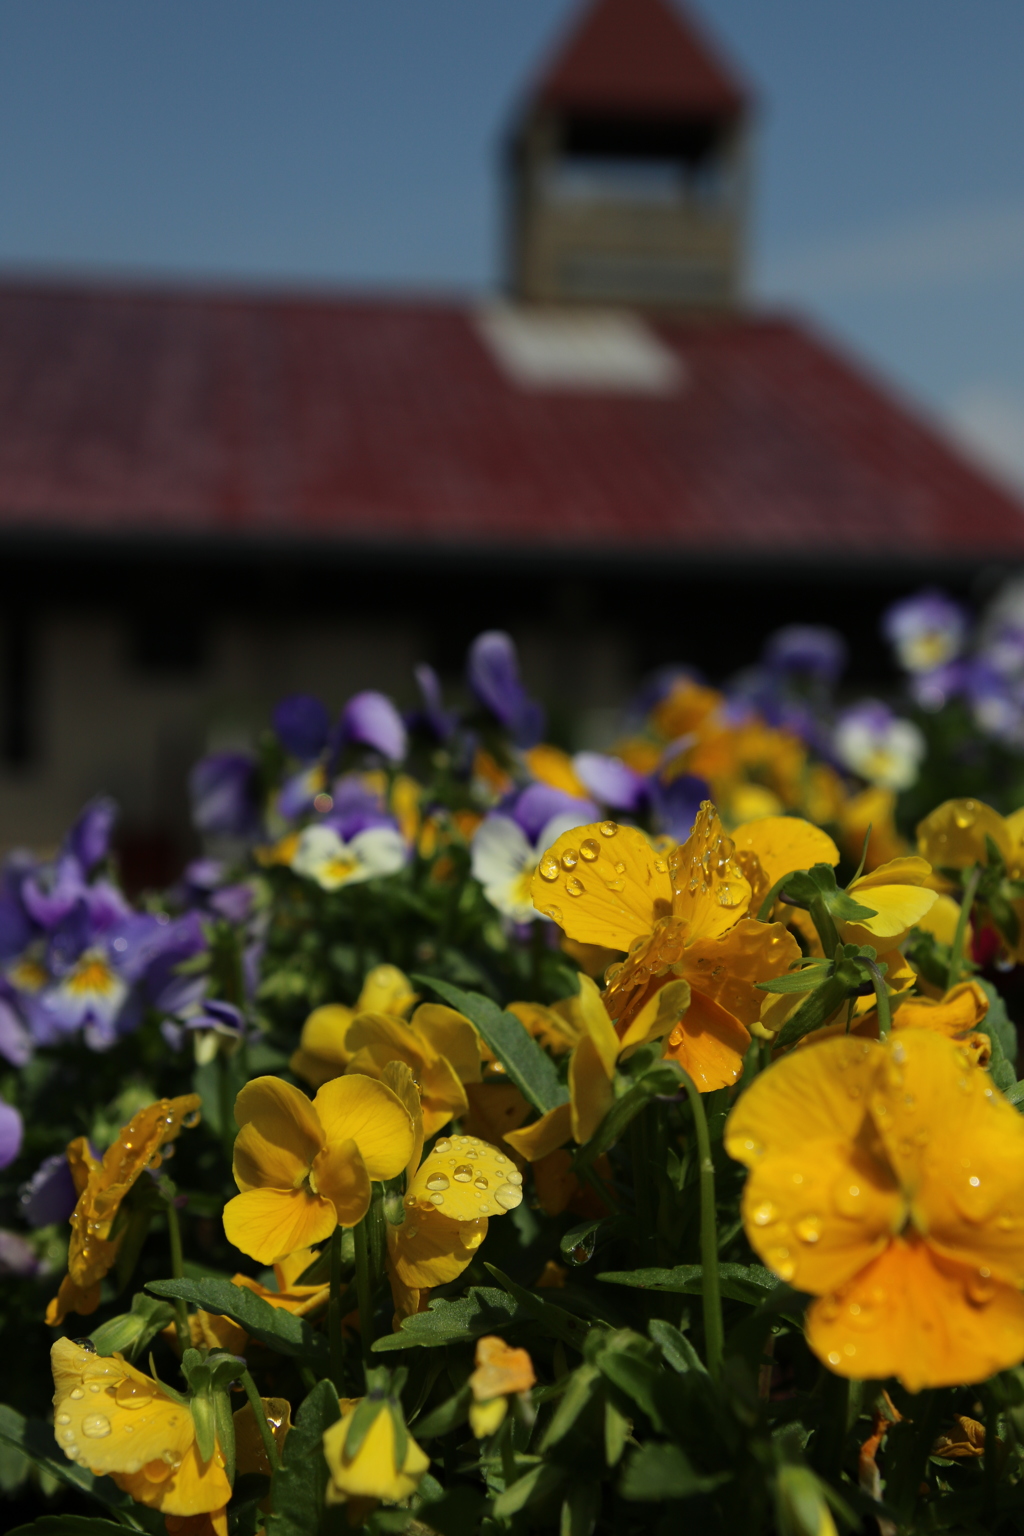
{"x":454,"y":1192}
{"x":872,"y":811}
{"x":114,"y":1420}
{"x":500,"y":1371}
{"x":680,"y":914}
{"x":592,"y":1067}
{"x":888,"y":1181}
{"x":305,"y":1168}
{"x":440,"y":1047}
{"x":553,"y":766}
{"x":953,"y":835}
{"x":373,"y":1472}
{"x":322,"y":1053}
{"x":101,"y":1186}
{"x":900,"y":897}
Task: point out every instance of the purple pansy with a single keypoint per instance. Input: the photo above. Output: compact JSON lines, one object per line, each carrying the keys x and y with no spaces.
{"x":611,"y":781}
{"x":675,"y":803}
{"x":302,"y":725}
{"x":17,"y":1256}
{"x":15,"y":1039}
{"x":49,"y":1196}
{"x":222,"y":786}
{"x":369,"y":719}
{"x":926,"y":630}
{"x":493,"y":674}
{"x":89,"y":839}
{"x":432,"y":716}
{"x":11,"y":1132}
{"x":806,"y":650}
{"x":534,"y":807}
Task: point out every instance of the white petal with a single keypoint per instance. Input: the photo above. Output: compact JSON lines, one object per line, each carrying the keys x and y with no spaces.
{"x":380,"y":851}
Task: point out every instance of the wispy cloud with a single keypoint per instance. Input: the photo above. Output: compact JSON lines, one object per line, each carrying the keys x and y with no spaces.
{"x":946,"y":248}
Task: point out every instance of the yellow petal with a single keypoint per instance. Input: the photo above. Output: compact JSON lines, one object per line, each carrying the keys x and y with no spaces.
{"x":463,"y":1179}
{"x":250,"y":1454}
{"x":428,"y":1249}
{"x":551,"y":1131}
{"x":340,"y":1176}
{"x":369,"y":1113}
{"x":495,"y":1109}
{"x":557,"y":1028}
{"x":605,"y":886}
{"x":196,"y":1487}
{"x":593,"y":1016}
{"x":818,"y":1216}
{"x":386,"y":990}
{"x":553,"y":766}
{"x":322,"y":1054}
{"x":500,"y":1369}
{"x":966,"y":1189}
{"x":953,"y":835}
{"x":898,"y":908}
{"x":727,"y":968}
{"x":259,"y":1164}
{"x":784,"y":844}
{"x":451,"y":1036}
{"x":709,"y":1044}
{"x":920,"y":1317}
{"x":487,"y":1417}
{"x":121,"y":1419}
{"x":371,"y":1472}
{"x":961,"y":1010}
{"x":814,"y":1095}
{"x":286,"y":1122}
{"x":908,"y":869}
{"x":268,"y":1224}
{"x":659,"y":1015}
{"x":590,"y":1089}
{"x":398,"y":1077}
{"x":941,"y":921}
{"x":711,"y":890}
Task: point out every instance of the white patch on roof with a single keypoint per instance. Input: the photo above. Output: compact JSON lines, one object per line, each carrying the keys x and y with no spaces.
{"x":596,"y":351}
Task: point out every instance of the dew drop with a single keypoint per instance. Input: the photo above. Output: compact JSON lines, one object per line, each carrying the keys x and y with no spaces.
{"x":77,"y":1394}
{"x":63,"y":1418}
{"x":608,"y":828}
{"x":96,"y":1426}
{"x":480,"y":1182}
{"x":555,"y":914}
{"x":94,"y":1386}
{"x":980,"y":1289}
{"x":485,"y":1206}
{"x":590,"y":850}
{"x":515,"y":1177}
{"x":615,"y":885}
{"x":548,"y":867}
{"x":965,"y":815}
{"x":442,"y":1145}
{"x":620,"y":868}
{"x":508,"y":1196}
{"x":779,"y":1259}
{"x":570,"y":858}
{"x":764,"y":1214}
{"x":462,"y":1175}
{"x":68,"y":1436}
{"x":661,"y":866}
{"x":574,"y":886}
{"x":190,"y":1120}
{"x":437,"y":1181}
{"x":808,"y":1229}
{"x":437,"y":1199}
{"x":834,"y":1357}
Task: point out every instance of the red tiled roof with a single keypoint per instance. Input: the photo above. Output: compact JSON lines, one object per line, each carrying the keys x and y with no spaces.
{"x":390,"y":422}
{"x":639,"y":57}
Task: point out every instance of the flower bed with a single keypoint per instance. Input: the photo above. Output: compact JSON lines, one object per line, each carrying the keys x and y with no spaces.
{"x":484,"y":1137}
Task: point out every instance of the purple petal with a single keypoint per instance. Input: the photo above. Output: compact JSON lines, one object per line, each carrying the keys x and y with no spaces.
{"x":11,"y":1131}
{"x":49,"y":1195}
{"x":370,"y":719}
{"x":223,"y":791}
{"x":17,"y":1257}
{"x":89,"y":838}
{"x":610,"y":780}
{"x":812,"y":650}
{"x":493,"y":675}
{"x":50,"y":895}
{"x":538,"y":803}
{"x":233,"y":902}
{"x":433,"y":716}
{"x":302,"y":725}
{"x":15,"y":1040}
{"x":675,"y":804}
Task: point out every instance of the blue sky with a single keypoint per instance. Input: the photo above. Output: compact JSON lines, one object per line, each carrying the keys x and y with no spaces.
{"x":354,"y":142}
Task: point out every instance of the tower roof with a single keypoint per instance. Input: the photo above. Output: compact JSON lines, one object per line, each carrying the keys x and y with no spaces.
{"x":639,"y":58}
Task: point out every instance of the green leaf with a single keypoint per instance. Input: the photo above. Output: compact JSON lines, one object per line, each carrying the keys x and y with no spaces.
{"x":657,"y":1471}
{"x":617,"y":1430}
{"x":666,"y":1077}
{"x":675,"y":1346}
{"x":482,"y":1310}
{"x":300,"y":1483}
{"x":1003,"y":1036}
{"x":577,"y":1396}
{"x":130,"y":1332}
{"x":539,"y":1483}
{"x":273,"y":1326}
{"x":527,"y":1065}
{"x":638,"y":1378}
{"x":1015,"y":1095}
{"x":739,"y":1282}
{"x":804,"y":980}
{"x":555,"y":1321}
{"x":35,"y":1440}
{"x":445,"y":1417}
{"x":69,"y":1525}
{"x":458,"y":1512}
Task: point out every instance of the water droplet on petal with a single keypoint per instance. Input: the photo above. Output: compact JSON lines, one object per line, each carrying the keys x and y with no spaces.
{"x":63,"y":1418}
{"x":437,"y":1181}
{"x":608,"y":828}
{"x":570,"y":858}
{"x":574,"y":886}
{"x":808,"y":1229}
{"x":462,"y":1175}
{"x":589,"y":850}
{"x":480,"y":1182}
{"x":442,"y":1145}
{"x":437,"y":1199}
{"x":77,"y":1394}
{"x":555,"y":914}
{"x":548,"y":867}
{"x":96,"y":1426}
{"x":508,"y":1196}
{"x":763,"y":1214}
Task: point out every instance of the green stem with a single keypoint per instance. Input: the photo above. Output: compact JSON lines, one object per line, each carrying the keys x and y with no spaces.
{"x":336,"y":1342}
{"x":266,"y":1434}
{"x":714,"y":1332}
{"x":764,"y":911}
{"x":881,"y":1001}
{"x":822,"y":919}
{"x":956,"y":954}
{"x":364,"y":1284}
{"x":178,"y":1273}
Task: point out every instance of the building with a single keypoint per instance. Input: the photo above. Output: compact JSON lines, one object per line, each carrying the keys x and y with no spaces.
{"x":209,"y":498}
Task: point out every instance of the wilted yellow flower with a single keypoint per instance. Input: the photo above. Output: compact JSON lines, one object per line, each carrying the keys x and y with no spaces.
{"x":101,"y":1186}
{"x":305,"y":1168}
{"x":500,"y":1371}
{"x":888,"y":1181}
{"x":114,"y":1420}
